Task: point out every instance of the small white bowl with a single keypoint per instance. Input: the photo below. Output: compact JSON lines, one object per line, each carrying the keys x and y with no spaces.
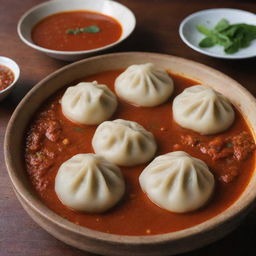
{"x":108,"y":7}
{"x":13,"y":66}
{"x":191,"y":36}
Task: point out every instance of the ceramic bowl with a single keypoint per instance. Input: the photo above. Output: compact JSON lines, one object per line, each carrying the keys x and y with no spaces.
{"x":110,"y":244}
{"x":107,"y":7}
{"x":209,"y":18}
{"x":12,"y":65}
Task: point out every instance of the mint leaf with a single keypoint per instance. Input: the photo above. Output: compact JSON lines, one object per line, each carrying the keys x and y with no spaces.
{"x":207,"y":42}
{"x":90,"y":29}
{"x":230,"y":31}
{"x":233,"y":48}
{"x":78,"y":129}
{"x":204,"y":30}
{"x":221,"y":25}
{"x":232,"y":37}
{"x":222,"y":39}
{"x":72,"y":31}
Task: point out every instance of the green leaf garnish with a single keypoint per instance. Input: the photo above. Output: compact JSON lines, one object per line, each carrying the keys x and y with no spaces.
{"x":73,"y":31}
{"x":232,"y":37}
{"x":204,"y":30}
{"x":90,"y":29}
{"x":78,"y":129}
{"x":207,"y":42}
{"x":229,"y":145}
{"x":221,"y":25}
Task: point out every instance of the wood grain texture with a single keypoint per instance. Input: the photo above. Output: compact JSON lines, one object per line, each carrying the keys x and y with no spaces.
{"x":156,"y":31}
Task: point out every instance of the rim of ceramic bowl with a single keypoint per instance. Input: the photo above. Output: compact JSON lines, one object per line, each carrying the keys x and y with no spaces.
{"x":239,"y":207}
{"x":201,"y":50}
{"x":74,"y":53}
{"x":11,"y":64}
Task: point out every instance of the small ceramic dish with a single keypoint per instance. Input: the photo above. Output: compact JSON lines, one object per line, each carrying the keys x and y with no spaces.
{"x":13,"y":66}
{"x":107,"y":7}
{"x":209,"y":18}
{"x":111,"y":244}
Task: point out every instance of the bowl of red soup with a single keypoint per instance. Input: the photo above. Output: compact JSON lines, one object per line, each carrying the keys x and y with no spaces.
{"x":134,"y":154}
{"x":72,"y":31}
{"x":9,"y":74}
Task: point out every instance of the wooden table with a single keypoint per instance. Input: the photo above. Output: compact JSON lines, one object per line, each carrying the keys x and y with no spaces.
{"x":156,"y":31}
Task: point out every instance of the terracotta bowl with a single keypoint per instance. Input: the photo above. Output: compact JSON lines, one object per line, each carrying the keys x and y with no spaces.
{"x":108,"y":244}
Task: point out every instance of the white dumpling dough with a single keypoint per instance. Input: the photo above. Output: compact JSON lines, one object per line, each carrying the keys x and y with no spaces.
{"x":88,"y":103}
{"x":87,"y":182}
{"x":203,"y":110}
{"x":124,"y":142}
{"x":177,"y":182}
{"x":144,"y":85}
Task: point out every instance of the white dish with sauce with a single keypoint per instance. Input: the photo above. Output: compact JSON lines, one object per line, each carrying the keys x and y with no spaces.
{"x":107,"y":7}
{"x":13,"y":66}
{"x":209,"y":18}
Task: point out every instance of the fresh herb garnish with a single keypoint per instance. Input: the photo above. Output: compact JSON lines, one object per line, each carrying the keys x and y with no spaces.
{"x":229,"y":145}
{"x":78,"y":129}
{"x":90,"y":29}
{"x":232,"y":37}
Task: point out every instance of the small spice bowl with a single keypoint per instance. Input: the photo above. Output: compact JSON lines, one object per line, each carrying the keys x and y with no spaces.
{"x":13,"y":66}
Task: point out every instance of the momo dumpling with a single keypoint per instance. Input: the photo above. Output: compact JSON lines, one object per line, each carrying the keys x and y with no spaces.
{"x":88,"y":103}
{"x":124,"y":142}
{"x":89,"y":183}
{"x":177,"y":182}
{"x":144,"y":85}
{"x":203,"y":110}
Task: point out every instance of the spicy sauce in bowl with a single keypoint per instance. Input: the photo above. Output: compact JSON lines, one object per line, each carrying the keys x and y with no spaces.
{"x":6,"y":77}
{"x":9,"y":74}
{"x":76,"y":31}
{"x":72,"y":30}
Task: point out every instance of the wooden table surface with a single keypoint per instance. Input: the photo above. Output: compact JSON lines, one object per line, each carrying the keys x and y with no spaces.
{"x":156,"y":31}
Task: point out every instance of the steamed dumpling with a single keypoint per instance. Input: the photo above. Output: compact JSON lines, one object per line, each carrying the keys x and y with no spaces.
{"x":203,"y":110}
{"x":88,"y":103}
{"x":177,"y":182}
{"x":144,"y":85}
{"x":87,"y":182}
{"x":124,"y":142}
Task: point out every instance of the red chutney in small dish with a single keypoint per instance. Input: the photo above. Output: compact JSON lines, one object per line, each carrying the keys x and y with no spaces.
{"x":76,"y":31}
{"x":53,"y":139}
{"x":6,"y":77}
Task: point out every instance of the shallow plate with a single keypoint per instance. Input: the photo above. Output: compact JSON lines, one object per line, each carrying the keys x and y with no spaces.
{"x":107,"y":7}
{"x":109,"y":244}
{"x":191,"y":36}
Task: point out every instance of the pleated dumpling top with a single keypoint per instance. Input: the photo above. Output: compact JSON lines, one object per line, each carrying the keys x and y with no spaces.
{"x":144,"y":85}
{"x":203,"y":110}
{"x":177,"y":182}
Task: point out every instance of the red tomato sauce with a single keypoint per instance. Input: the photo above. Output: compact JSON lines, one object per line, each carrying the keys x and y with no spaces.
{"x":6,"y":77}
{"x":52,"y":31}
{"x":53,"y":139}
